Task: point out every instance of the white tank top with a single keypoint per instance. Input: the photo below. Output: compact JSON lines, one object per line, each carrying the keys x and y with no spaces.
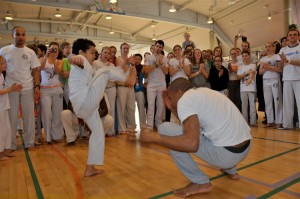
{"x":49,"y":78}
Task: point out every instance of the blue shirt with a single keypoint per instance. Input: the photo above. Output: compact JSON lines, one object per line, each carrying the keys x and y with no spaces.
{"x":139,"y":79}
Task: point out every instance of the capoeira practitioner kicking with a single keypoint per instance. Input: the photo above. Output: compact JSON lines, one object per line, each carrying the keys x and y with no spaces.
{"x":86,"y":91}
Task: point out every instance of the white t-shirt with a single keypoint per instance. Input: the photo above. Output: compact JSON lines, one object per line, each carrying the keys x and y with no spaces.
{"x":243,"y":69}
{"x":220,"y":120}
{"x":291,"y":72}
{"x":49,"y":78}
{"x":20,"y":61}
{"x":174,"y":63}
{"x":81,"y":79}
{"x":156,"y":76}
{"x":272,"y":61}
{"x":4,"y":101}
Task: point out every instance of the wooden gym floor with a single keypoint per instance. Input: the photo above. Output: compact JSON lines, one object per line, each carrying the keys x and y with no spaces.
{"x":137,"y":171}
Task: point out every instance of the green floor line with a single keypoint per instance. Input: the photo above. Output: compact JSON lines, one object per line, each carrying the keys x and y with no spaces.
{"x":281,"y":188}
{"x":277,"y":140}
{"x":37,"y":187}
{"x":244,"y":167}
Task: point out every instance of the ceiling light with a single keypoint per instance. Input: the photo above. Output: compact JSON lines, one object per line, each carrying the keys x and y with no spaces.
{"x":269,"y":16}
{"x":57,"y":13}
{"x":100,"y":43}
{"x":172,"y":8}
{"x":111,"y":32}
{"x":113,"y":1}
{"x":108,"y":17}
{"x":8,"y":16}
{"x":210,"y":20}
{"x":153,"y":25}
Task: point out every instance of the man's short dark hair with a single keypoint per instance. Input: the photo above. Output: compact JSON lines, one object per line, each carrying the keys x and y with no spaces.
{"x":189,"y":45}
{"x":15,"y":27}
{"x":42,"y":47}
{"x":246,"y":51}
{"x":82,"y":44}
{"x":139,"y":55}
{"x":161,"y":42}
{"x":180,"y":84}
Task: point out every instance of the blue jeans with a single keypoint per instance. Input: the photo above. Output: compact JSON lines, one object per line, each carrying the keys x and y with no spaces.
{"x":213,"y":155}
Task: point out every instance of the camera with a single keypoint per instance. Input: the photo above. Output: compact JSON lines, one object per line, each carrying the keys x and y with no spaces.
{"x":53,"y":50}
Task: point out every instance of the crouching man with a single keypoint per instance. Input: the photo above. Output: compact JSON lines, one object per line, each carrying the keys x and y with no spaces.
{"x":212,"y":128}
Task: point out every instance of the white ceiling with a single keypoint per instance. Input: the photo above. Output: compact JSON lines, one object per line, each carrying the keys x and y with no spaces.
{"x":79,"y":20}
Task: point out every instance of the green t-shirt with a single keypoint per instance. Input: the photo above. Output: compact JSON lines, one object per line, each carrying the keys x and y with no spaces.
{"x":66,"y":67}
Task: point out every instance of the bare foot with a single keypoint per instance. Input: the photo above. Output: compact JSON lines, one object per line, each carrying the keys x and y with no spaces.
{"x":90,"y":170}
{"x":3,"y":157}
{"x":235,"y":176}
{"x":192,"y":189}
{"x":8,"y":153}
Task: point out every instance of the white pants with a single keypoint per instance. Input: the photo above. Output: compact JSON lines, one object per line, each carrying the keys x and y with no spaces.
{"x":140,"y":101}
{"x":5,"y":131}
{"x":273,"y":94}
{"x":126,"y":108}
{"x":52,"y":106}
{"x":154,"y":92}
{"x":89,"y":111}
{"x":111,"y":95}
{"x":26,"y":99}
{"x":249,"y":97}
{"x":72,"y":127}
{"x":291,"y":90}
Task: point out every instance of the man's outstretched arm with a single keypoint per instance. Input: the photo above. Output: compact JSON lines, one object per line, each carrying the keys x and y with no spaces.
{"x":187,"y":142}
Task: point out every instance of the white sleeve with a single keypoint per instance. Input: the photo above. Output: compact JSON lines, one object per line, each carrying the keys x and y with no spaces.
{"x":185,"y":108}
{"x":186,"y":61}
{"x":34,"y":61}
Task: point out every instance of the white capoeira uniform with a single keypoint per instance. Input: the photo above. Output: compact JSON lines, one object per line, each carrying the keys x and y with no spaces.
{"x":272,"y":91}
{"x":86,"y":91}
{"x":156,"y":84}
{"x":291,"y":85}
{"x":5,"y":130}
{"x":20,"y":62}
